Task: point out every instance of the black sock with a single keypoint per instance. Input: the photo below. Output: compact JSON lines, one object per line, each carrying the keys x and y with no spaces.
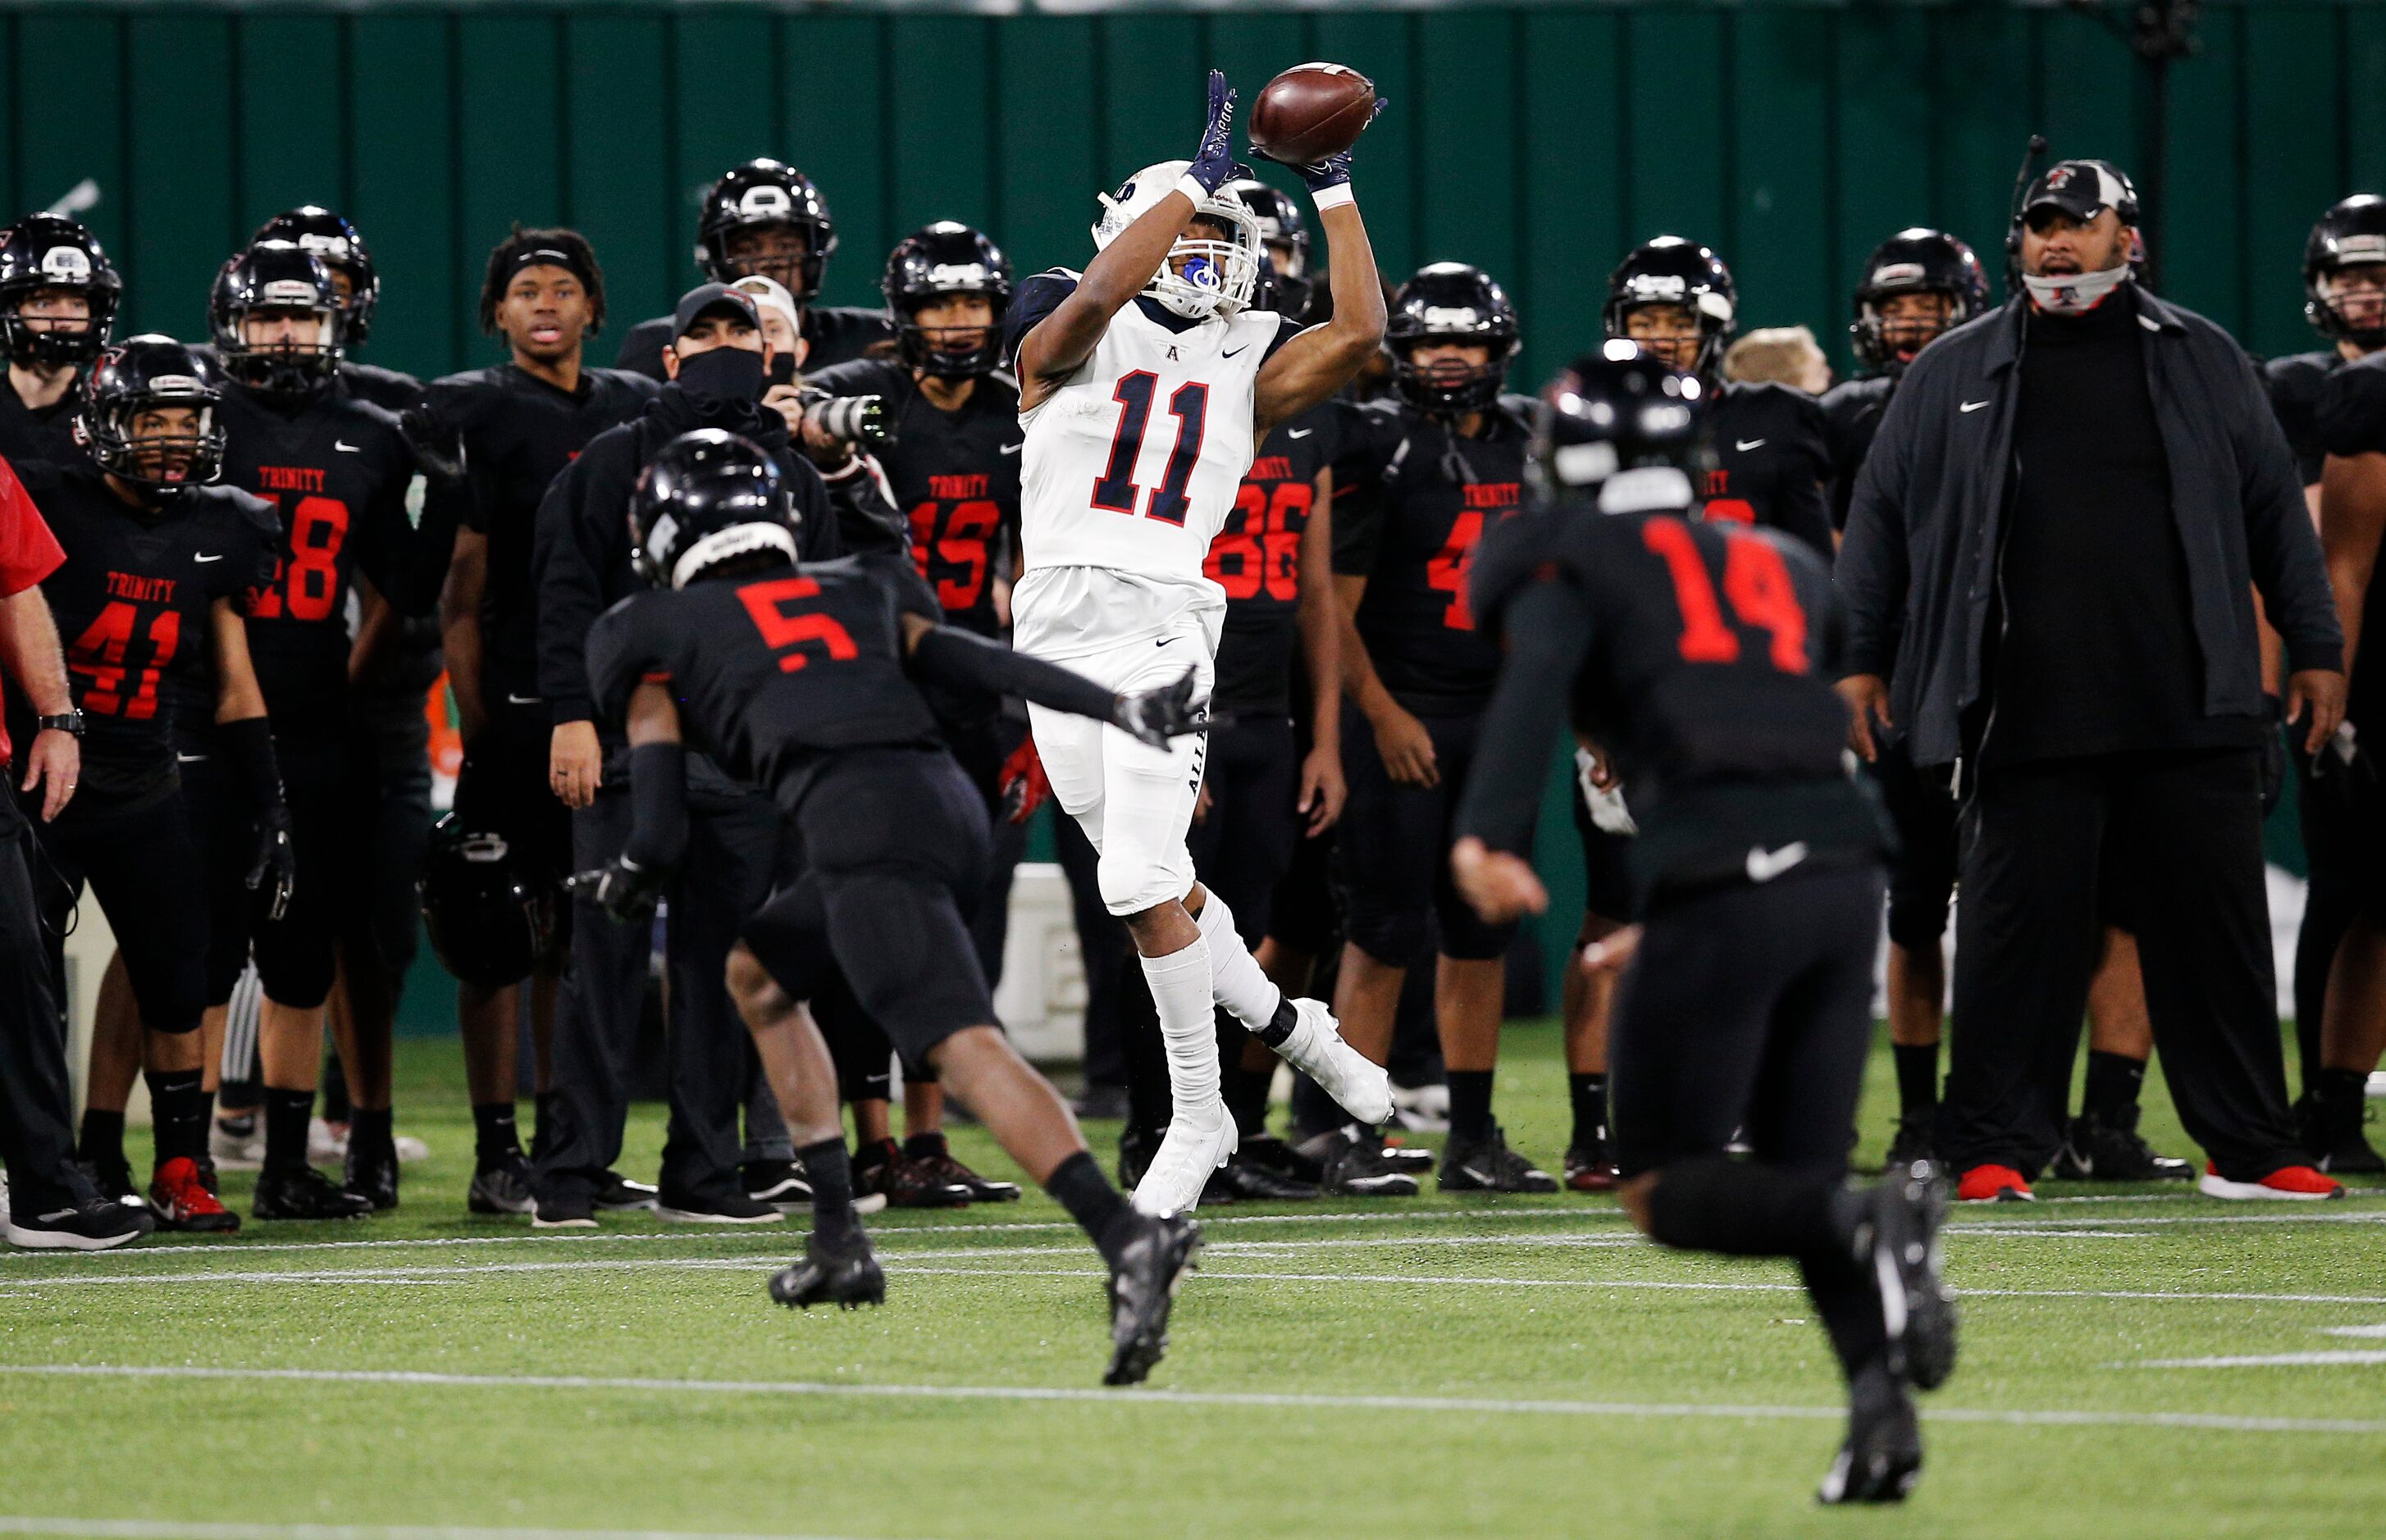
{"x":2110,"y":1096}
{"x":1078,"y":1186}
{"x":494,"y":1137}
{"x":2340,"y":1085}
{"x":1247,"y":1097}
{"x":832,"y":1178}
{"x":178,"y":1110}
{"x":925,"y":1146}
{"x":103,"y":1137}
{"x":1470,"y":1105}
{"x":287,"y":1114}
{"x":1745,"y":1208}
{"x":1917,"y":1078}
{"x":1846,"y":1295}
{"x":1588,"y":1094}
{"x":371,"y":1129}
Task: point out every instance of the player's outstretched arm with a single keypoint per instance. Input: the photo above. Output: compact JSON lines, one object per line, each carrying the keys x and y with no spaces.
{"x":1548,"y":628}
{"x":1323,"y":359}
{"x":962,"y":660}
{"x":1056,"y":345}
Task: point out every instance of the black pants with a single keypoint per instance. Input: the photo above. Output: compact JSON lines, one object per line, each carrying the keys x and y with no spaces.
{"x":2177,"y":837}
{"x":383,"y":913}
{"x":36,"y":1099}
{"x":143,"y":869}
{"x":733,"y":847}
{"x":1393,"y":850}
{"x":1108,"y":953}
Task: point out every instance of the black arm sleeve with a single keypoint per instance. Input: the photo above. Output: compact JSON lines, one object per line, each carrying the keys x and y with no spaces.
{"x":657,"y":807}
{"x":962,"y":661}
{"x":568,"y":565}
{"x":249,"y":745}
{"x":1549,"y":631}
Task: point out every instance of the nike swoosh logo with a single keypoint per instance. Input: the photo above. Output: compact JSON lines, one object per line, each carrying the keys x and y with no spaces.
{"x":195,"y":557}
{"x":1163,"y":641}
{"x":1298,"y":433}
{"x":1970,"y":405}
{"x":1765,"y":865}
{"x":346,"y":448}
{"x":1013,"y":448}
{"x":190,"y":759}
{"x":1231,"y":351}
{"x":1745,"y":444}
{"x":512,"y":699}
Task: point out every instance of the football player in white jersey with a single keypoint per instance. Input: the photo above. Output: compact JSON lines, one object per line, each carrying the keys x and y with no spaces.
{"x":1143,"y":384}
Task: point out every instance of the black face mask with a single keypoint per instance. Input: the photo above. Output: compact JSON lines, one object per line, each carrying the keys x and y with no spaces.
{"x":725,"y":373}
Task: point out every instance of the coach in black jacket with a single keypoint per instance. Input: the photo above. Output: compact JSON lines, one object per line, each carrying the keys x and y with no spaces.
{"x":2048,"y":571}
{"x":582,"y":567}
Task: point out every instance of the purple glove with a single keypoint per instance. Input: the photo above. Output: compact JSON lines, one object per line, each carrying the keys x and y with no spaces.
{"x":1213,"y":162}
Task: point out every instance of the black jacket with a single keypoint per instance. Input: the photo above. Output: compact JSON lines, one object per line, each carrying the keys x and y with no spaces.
{"x":1918,"y":569}
{"x":581,"y":566}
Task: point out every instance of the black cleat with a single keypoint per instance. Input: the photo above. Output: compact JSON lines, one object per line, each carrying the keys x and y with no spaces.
{"x":304,"y":1193}
{"x":846,"y":1276}
{"x":1489,"y":1165}
{"x":1882,"y":1457}
{"x":1148,"y":1271}
{"x":1252,"y":1183}
{"x":940,"y":1165}
{"x":2098,"y":1151}
{"x":1270,"y":1153}
{"x":1910,"y":1142}
{"x":780,"y":1183}
{"x":1590,"y":1164}
{"x":574,"y":1210}
{"x":113,"y":1180}
{"x":1917,"y":1308}
{"x":882,"y":1171}
{"x":1355,"y":1164}
{"x":372,"y":1174}
{"x":617,"y":1194}
{"x":2328,"y":1127}
{"x":501,"y":1186}
{"x":88,"y":1223}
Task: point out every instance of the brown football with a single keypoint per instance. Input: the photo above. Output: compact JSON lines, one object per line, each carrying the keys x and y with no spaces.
{"x":1312,"y":111}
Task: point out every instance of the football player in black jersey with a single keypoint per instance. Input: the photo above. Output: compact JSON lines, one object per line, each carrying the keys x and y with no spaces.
{"x":59,"y":294}
{"x":505,"y":432}
{"x":1416,"y":483}
{"x":338,"y":468}
{"x":799,"y":678}
{"x":1698,"y":659}
{"x":1677,"y":300}
{"x":332,"y":240}
{"x":159,"y":564}
{"x":2345,"y":812}
{"x":953,"y":466}
{"x":2344,"y":298}
{"x":765,"y":217}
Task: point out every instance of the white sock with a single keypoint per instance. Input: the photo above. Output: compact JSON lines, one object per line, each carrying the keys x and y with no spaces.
{"x":1180,"y":987}
{"x":1235,"y":977}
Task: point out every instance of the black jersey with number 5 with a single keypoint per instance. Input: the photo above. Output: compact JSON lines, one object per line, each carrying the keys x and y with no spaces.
{"x":132,"y":604}
{"x":777,"y":670}
{"x":1256,"y":558}
{"x":337,"y":469}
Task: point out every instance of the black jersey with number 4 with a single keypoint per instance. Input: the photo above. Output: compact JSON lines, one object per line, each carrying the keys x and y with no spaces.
{"x":1256,"y":558}
{"x":1772,"y":461}
{"x":1411,"y":501}
{"x":1700,"y":658}
{"x":777,"y":670}
{"x":336,"y":467}
{"x":955,"y":476}
{"x":132,"y":604}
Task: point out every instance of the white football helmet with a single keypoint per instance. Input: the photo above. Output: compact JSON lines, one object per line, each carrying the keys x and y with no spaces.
{"x":1219,"y":277}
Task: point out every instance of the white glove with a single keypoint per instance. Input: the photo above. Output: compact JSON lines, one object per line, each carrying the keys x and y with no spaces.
{"x":1606,"y":803}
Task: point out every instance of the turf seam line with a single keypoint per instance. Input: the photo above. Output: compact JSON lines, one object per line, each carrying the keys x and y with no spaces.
{"x":1282,"y":1399}
{"x":148,"y":1529}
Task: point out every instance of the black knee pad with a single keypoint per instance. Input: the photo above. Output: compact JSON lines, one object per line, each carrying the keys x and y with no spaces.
{"x":1391,"y":935}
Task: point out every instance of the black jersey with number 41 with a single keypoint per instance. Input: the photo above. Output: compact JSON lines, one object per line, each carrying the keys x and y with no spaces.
{"x":776,"y":671}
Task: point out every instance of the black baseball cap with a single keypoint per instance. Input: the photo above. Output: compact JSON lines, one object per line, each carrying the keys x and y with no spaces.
{"x":707,"y":299}
{"x":2082,"y":188}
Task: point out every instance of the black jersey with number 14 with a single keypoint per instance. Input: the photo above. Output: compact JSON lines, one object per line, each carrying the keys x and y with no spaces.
{"x":775,"y":671}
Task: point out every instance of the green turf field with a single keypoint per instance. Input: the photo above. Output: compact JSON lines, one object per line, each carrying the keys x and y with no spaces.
{"x":1421,"y":1368}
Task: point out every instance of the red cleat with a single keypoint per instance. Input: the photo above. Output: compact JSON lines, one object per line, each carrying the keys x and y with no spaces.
{"x":2293,"y":1183}
{"x":1994,"y":1184}
{"x":179,"y":1195}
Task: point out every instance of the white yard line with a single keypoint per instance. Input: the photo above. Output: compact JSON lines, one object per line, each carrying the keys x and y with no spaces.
{"x":2261,"y":1360}
{"x":1110,"y":1399}
{"x":146,"y":1529}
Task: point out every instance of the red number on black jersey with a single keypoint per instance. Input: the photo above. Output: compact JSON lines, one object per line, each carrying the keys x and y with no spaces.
{"x":1449,"y":567}
{"x":99,"y":654}
{"x":766,"y":602}
{"x":963,"y":544}
{"x":1262,"y":542}
{"x":307,"y":582}
{"x":1755,"y":580}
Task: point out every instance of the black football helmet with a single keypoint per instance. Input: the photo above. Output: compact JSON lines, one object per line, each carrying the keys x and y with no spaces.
{"x":1670,"y":270}
{"x":137,"y":375}
{"x":709,"y":499}
{"x":1289,"y":292}
{"x":946,"y":258}
{"x":335,"y":243}
{"x":1619,"y":410}
{"x":1449,"y":302}
{"x":49,"y":251}
{"x":276,"y":276}
{"x":2352,"y":234}
{"x":766,"y":192}
{"x":1910,"y":262}
{"x":489,"y":923}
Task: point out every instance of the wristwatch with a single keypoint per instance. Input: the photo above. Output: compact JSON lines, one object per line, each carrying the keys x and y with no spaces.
{"x":68,"y":722}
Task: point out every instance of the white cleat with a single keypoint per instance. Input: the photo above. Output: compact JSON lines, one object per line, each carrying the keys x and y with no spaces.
{"x":1197,"y":1144}
{"x":1316,"y":1049}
